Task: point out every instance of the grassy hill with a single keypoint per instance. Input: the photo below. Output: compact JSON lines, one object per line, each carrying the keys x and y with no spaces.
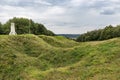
{"x":30,"y":57}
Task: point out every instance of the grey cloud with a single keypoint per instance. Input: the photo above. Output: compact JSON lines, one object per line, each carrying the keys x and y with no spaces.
{"x":108,"y":12}
{"x":103,"y":7}
{"x":98,"y":4}
{"x":58,"y":2}
{"x":25,"y":3}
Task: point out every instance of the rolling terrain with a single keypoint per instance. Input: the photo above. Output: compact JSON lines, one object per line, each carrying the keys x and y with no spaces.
{"x":30,"y":57}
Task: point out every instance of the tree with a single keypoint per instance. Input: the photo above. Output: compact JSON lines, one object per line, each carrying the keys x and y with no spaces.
{"x":25,"y":26}
{"x":102,"y":34}
{"x":1,"y":30}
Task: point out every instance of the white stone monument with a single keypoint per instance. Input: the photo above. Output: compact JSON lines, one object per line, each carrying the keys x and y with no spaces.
{"x":12,"y":29}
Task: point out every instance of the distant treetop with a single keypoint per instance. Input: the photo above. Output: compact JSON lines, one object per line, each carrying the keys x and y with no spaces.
{"x":102,"y":34}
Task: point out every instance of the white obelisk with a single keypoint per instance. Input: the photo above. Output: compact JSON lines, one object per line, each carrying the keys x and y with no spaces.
{"x":12,"y":29}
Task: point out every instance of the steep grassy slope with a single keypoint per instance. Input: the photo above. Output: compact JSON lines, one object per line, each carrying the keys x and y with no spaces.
{"x":30,"y":57}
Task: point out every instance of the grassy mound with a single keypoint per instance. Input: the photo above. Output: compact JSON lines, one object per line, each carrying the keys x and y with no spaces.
{"x":30,"y":57}
{"x":58,"y":41}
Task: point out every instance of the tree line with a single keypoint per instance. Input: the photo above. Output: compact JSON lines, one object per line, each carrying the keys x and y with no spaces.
{"x":102,"y":34}
{"x":25,"y":26}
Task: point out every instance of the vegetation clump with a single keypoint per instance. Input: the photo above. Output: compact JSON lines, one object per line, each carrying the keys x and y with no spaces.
{"x":102,"y":34}
{"x":25,"y":26}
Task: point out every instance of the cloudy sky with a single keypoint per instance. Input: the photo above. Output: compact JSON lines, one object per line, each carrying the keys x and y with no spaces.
{"x":64,"y":16}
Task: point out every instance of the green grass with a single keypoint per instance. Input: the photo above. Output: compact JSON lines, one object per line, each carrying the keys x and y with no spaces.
{"x":59,"y":41}
{"x":30,"y":57}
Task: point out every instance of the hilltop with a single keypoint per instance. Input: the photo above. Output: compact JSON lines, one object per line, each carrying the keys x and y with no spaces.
{"x":31,"y":57}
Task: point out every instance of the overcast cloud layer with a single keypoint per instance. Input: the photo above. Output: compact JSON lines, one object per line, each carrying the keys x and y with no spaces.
{"x":64,"y":16}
